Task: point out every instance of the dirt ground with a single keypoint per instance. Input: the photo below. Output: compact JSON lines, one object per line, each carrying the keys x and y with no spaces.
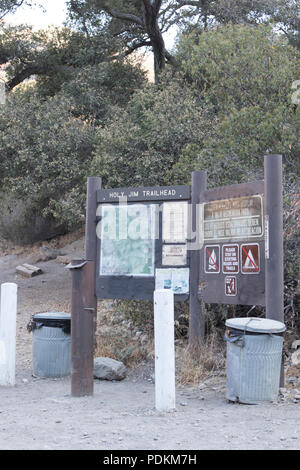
{"x":41,"y":414}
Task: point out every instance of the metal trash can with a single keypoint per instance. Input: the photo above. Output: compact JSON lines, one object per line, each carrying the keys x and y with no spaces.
{"x":51,"y":344}
{"x":254,"y":355}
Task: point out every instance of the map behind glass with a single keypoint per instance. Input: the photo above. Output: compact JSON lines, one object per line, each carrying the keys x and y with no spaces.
{"x":127,"y":240}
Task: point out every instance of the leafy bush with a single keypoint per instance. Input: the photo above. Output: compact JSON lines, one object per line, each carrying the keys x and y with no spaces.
{"x":228,"y":105}
{"x":45,"y":155}
{"x":47,"y":147}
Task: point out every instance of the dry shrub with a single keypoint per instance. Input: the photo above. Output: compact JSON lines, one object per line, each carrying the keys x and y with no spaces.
{"x":118,"y":339}
{"x":8,"y":247}
{"x":207,"y":362}
{"x":122,"y":348}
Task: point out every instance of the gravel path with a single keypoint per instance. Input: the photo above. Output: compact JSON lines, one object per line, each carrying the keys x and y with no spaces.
{"x":41,"y":414}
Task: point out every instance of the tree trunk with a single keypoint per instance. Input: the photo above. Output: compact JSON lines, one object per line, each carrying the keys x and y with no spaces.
{"x":159,"y":52}
{"x":150,"y":15}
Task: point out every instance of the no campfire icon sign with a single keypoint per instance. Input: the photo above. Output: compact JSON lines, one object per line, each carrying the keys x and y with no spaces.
{"x":250,"y":258}
{"x":212,"y":259}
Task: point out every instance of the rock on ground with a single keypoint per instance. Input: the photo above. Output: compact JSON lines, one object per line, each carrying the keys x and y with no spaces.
{"x":47,"y":253}
{"x":106,"y":368}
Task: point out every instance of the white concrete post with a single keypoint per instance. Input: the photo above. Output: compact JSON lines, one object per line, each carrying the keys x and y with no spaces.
{"x":164,"y":350}
{"x":8,"y":314}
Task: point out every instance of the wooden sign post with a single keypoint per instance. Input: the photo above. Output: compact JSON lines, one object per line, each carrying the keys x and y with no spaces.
{"x":82,"y":328}
{"x":93,"y":185}
{"x":274,"y":237}
{"x":222,"y":245}
{"x":274,"y":241}
{"x":196,"y":313}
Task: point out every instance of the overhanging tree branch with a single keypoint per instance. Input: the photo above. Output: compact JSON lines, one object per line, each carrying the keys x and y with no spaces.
{"x":128,"y":51}
{"x":9,"y":6}
{"x":23,"y":75}
{"x":171,"y":59}
{"x":122,"y":16}
{"x":190,"y":3}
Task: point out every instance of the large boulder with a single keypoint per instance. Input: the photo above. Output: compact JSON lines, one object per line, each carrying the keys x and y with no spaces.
{"x":106,"y":368}
{"x":23,"y":223}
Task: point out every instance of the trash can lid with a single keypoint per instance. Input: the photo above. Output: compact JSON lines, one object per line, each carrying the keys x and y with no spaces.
{"x":256,"y":325}
{"x":62,"y":316}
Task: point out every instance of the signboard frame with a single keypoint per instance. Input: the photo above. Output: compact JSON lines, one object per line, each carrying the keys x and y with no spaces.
{"x":210,"y":285}
{"x":130,"y":286}
{"x":249,"y":291}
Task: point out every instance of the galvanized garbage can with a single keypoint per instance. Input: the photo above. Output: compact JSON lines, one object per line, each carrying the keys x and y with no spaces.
{"x":51,"y":344}
{"x":254,"y":355}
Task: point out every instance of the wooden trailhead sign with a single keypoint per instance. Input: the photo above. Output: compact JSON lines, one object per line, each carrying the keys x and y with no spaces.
{"x":222,"y":245}
{"x":210,"y":245}
{"x":142,"y":242}
{"x":232,"y":259}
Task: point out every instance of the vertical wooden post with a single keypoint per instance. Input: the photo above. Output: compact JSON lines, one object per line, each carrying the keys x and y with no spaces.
{"x":164,"y":350}
{"x":8,"y":314}
{"x":93,"y":185}
{"x":196,"y":314}
{"x":274,"y":257}
{"x":274,"y":285}
{"x":82,"y":331}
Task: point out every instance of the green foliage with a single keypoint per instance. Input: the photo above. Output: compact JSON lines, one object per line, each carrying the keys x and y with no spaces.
{"x":239,"y":66}
{"x":120,"y":20}
{"x":141,"y":144}
{"x":54,"y":55}
{"x":96,"y":89}
{"x":229,"y":104}
{"x":9,"y":6}
{"x":45,"y":155}
{"x":47,"y":146}
{"x":246,"y":74}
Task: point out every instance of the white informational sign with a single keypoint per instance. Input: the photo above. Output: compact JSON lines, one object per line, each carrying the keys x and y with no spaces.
{"x":175,"y":222}
{"x":163,"y":279}
{"x":180,"y":280}
{"x":176,"y":279}
{"x":174,"y":255}
{"x":237,"y":218}
{"x":127,"y":240}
